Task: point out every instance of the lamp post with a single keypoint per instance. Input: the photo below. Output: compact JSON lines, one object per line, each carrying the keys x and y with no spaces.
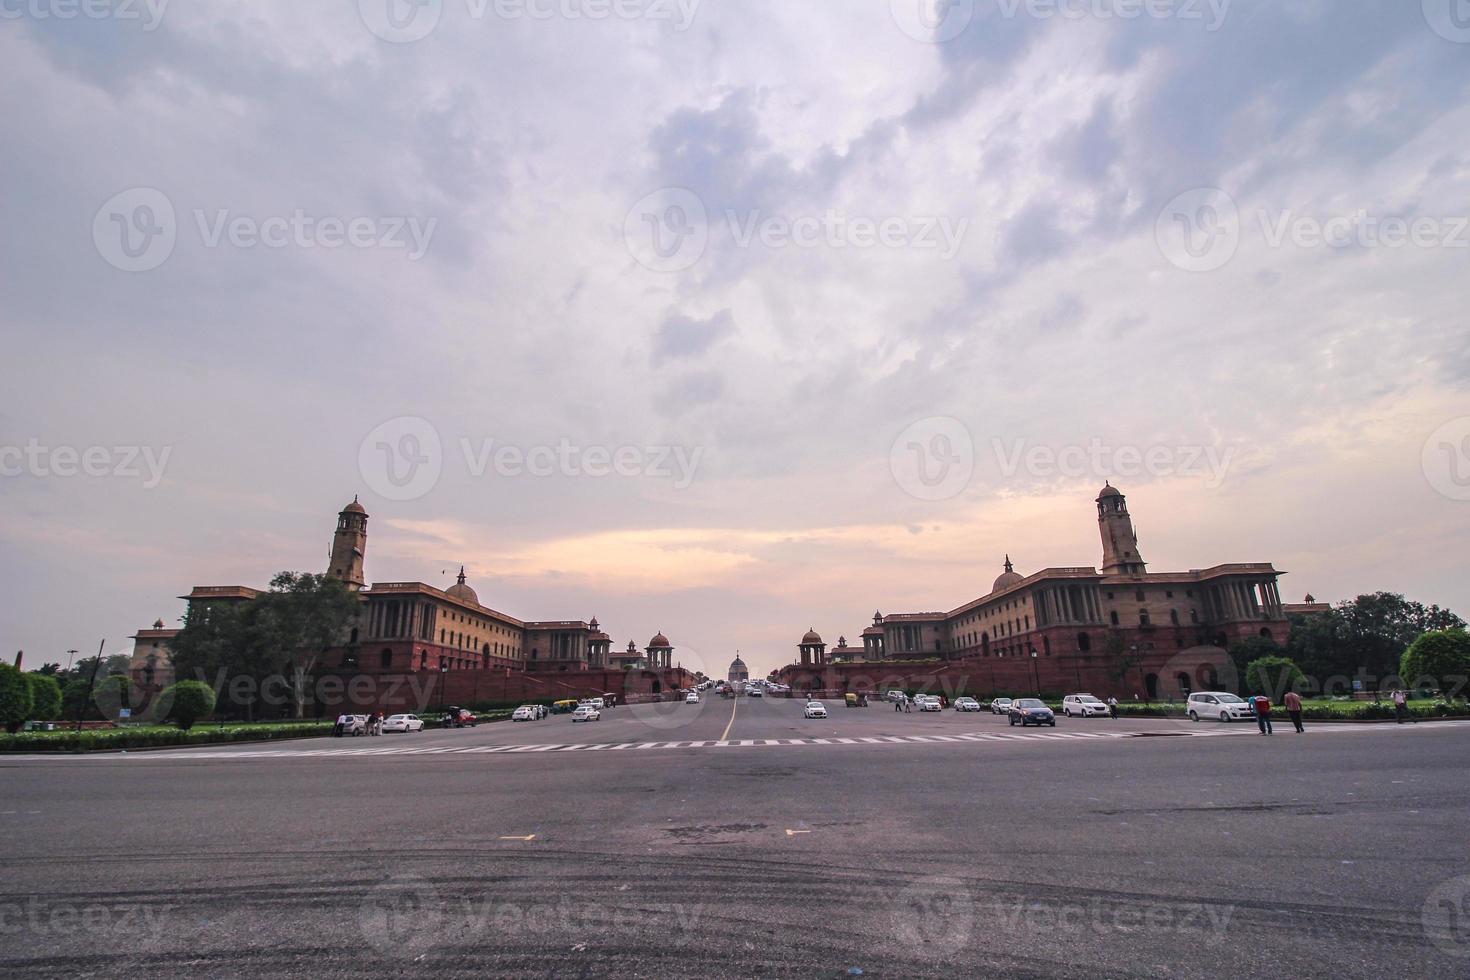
{"x":1035,"y":672}
{"x":443,"y":676}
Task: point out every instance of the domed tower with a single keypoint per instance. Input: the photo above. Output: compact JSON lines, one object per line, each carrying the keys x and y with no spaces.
{"x":1007,"y":578}
{"x":349,"y":546}
{"x":1120,"y":543}
{"x":738,"y":670}
{"x":660,"y":652}
{"x":462,"y":591}
{"x":813,"y":649}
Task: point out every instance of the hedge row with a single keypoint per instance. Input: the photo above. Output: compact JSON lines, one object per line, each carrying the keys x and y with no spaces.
{"x":1362,"y":711}
{"x":126,"y":738}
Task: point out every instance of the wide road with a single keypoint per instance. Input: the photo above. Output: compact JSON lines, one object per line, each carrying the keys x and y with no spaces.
{"x":739,"y":839}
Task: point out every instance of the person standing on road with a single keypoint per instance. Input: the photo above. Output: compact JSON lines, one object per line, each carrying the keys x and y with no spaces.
{"x":1293,"y":703}
{"x":1401,"y":705}
{"x":1113,"y":708}
{"x":1262,"y":704}
{"x":908,"y":703}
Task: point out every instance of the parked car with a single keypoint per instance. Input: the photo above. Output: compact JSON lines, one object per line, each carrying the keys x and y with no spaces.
{"x":1217,"y":705}
{"x":541,"y":710}
{"x":351,"y":725}
{"x":815,"y":709}
{"x":754,"y":692}
{"x":692,"y":697}
{"x":403,"y":723}
{"x":966,"y":704}
{"x":898,"y":696}
{"x":585,"y":712}
{"x":1031,"y":711}
{"x":456,"y":717}
{"x":526,"y":712}
{"x":1000,"y":706}
{"x":1084,"y":706}
{"x":928,"y":702}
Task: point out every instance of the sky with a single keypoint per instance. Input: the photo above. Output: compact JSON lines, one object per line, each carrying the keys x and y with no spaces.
{"x":726,"y":319}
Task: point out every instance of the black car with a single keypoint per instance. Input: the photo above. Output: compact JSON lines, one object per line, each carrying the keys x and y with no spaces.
{"x":1031,"y":711}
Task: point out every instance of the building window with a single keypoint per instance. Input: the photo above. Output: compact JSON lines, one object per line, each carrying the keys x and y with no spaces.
{"x":1174,"y":616}
{"x":1113,"y":617}
{"x":1084,"y":642}
{"x":1143,"y":617}
{"x":385,"y":659}
{"x":423,"y":660}
{"x":1139,"y":595}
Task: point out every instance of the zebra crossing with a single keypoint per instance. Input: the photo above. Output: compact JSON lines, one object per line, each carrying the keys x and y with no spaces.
{"x":615,"y":747}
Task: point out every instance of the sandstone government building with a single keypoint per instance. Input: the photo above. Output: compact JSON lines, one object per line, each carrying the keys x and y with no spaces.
{"x":1120,"y":630}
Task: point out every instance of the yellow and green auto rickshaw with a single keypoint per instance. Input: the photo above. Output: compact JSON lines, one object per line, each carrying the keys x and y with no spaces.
{"x":564,"y":707}
{"x":856,"y":700}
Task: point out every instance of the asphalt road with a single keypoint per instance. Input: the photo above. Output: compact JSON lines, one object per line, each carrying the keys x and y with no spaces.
{"x":744,"y":840}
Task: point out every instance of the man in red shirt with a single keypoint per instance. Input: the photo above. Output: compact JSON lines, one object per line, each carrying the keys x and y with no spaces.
{"x":1263,"y":713}
{"x":1293,"y":702}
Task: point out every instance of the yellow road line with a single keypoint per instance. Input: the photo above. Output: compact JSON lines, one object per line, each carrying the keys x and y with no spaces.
{"x":734,"y":703}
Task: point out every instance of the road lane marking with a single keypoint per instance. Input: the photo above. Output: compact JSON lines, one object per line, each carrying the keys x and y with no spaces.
{"x":734,"y":703}
{"x":528,"y":837}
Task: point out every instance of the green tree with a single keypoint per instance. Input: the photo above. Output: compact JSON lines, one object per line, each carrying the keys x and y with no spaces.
{"x":1249,"y":650}
{"x":15,"y":698}
{"x":1273,"y":676}
{"x":187,"y":702}
{"x":45,"y":697}
{"x":1363,"y":637}
{"x":1440,"y":658}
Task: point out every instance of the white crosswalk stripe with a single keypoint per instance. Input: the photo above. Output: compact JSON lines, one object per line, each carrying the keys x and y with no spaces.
{"x":970,"y":738}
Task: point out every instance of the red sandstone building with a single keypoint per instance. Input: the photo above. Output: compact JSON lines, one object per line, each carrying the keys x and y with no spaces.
{"x":1120,"y":631}
{"x":412,"y":637}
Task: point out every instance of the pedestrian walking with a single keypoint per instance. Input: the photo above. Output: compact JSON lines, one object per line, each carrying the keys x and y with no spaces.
{"x":1262,"y":704}
{"x":1293,"y":702}
{"x":908,"y":704}
{"x":1113,"y":708}
{"x":1401,"y":706}
{"x":898,"y":703}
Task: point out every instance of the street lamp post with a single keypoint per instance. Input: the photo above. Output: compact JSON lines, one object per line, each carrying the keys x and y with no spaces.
{"x":1035,"y":672}
{"x":443,"y":676}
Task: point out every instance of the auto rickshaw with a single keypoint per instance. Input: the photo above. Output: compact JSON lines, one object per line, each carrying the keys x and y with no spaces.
{"x":564,"y":707}
{"x":856,"y":700}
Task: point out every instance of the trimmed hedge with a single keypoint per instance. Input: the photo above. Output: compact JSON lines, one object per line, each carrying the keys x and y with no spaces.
{"x":142,"y":738}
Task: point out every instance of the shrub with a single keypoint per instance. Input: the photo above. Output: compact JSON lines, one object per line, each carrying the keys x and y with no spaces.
{"x":187,"y":701}
{"x":1273,"y":676}
{"x":45,"y":697}
{"x":139,"y":738}
{"x":15,"y":698}
{"x":1440,"y":658}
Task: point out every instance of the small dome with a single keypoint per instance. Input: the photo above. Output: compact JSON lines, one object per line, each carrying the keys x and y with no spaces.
{"x":1109,"y":490}
{"x":158,"y":623}
{"x":461,"y":591}
{"x":737,"y":662}
{"x":659,"y":640}
{"x":1007,"y":578}
{"x":812,"y":636}
{"x":354,"y":507}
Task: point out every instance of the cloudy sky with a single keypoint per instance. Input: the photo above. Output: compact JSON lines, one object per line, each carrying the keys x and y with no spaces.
{"x":725,"y":318}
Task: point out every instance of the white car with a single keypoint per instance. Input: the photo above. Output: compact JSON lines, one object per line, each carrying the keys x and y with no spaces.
{"x":1000,"y":706}
{"x":1217,"y":706}
{"x":586,"y":712}
{"x":691,"y":698}
{"x":1084,"y":706}
{"x":352,"y":724}
{"x":754,"y":692}
{"x":928,"y":702}
{"x":526,"y":712}
{"x":966,"y":704}
{"x":403,"y":723}
{"x":815,"y":709}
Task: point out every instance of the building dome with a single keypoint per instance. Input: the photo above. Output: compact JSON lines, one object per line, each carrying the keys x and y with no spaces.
{"x":158,"y":623}
{"x":1109,"y":490}
{"x":1007,"y":578}
{"x":737,"y":664}
{"x":659,"y":640}
{"x":354,"y":507}
{"x":812,"y":636}
{"x":461,"y":591}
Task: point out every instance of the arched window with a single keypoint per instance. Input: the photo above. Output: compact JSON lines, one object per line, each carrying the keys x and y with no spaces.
{"x":423,"y":660}
{"x":1143,"y":617}
{"x":1174,"y":616}
{"x":1084,"y":642}
{"x":1265,"y":633}
{"x":1113,"y":617}
{"x":385,"y":659}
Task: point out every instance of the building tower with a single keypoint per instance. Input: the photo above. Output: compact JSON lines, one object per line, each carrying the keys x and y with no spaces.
{"x":660,"y":652}
{"x":349,"y":546}
{"x":1120,"y":543}
{"x":813,"y":650}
